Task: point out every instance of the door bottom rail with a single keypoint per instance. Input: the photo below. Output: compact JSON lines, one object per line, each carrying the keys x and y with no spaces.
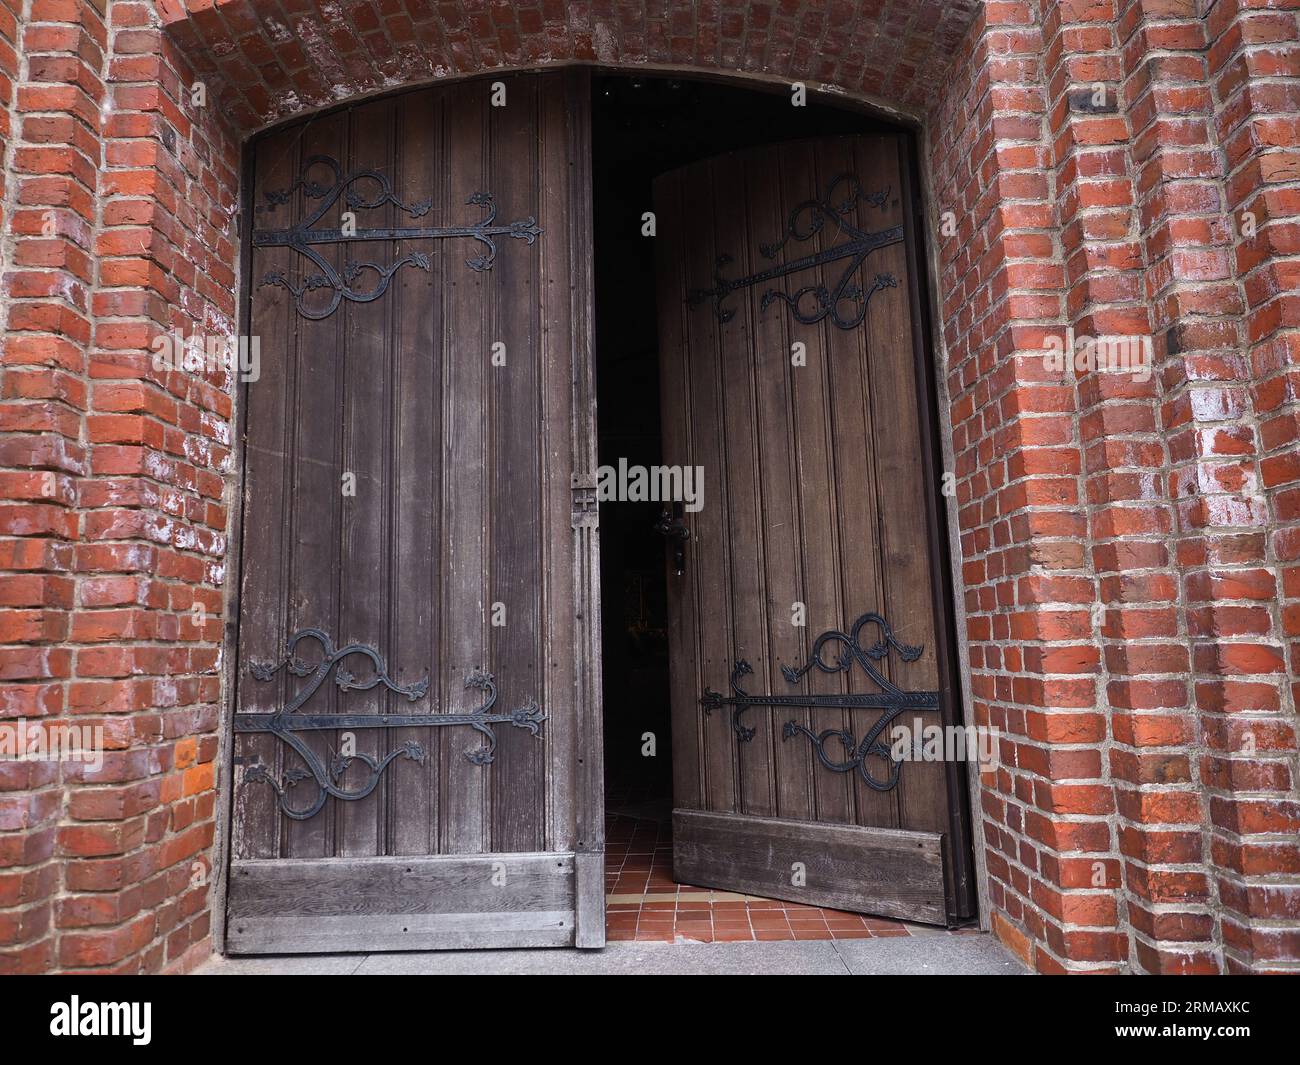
{"x":287,"y":723}
{"x":891,"y":699}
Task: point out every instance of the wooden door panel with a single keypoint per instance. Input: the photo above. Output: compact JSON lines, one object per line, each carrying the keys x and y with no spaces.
{"x":816,"y":504}
{"x":409,"y":496}
{"x":846,"y":867}
{"x":329,"y":905}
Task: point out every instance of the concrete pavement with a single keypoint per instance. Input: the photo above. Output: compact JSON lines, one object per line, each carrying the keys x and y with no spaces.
{"x":940,"y":952}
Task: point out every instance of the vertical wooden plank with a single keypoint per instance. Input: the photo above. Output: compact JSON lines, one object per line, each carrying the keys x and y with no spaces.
{"x":768,"y":216}
{"x":859,"y":506}
{"x":263,"y":625}
{"x":921,"y":791}
{"x":706,"y":410}
{"x":565,"y":354}
{"x":467,"y":419}
{"x":814,"y":473}
{"x":416,"y":480}
{"x":743,"y":516}
{"x":960,"y":860}
{"x":315,"y":490}
{"x":365,"y":571}
{"x":588,"y":789}
{"x":514,"y":514}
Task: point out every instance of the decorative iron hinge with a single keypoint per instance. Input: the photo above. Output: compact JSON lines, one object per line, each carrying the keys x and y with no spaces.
{"x":826,"y":301}
{"x":288,"y":722}
{"x":302,"y":236}
{"x":586,"y":507}
{"x":891,"y":699}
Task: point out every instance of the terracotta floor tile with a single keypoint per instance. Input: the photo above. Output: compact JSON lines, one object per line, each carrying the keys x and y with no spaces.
{"x":775,"y":922}
{"x":653,"y":907}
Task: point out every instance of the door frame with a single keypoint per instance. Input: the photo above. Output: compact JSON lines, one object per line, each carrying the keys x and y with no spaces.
{"x":921,"y":217}
{"x":924,"y":270}
{"x":944,"y":541}
{"x":962,"y":781}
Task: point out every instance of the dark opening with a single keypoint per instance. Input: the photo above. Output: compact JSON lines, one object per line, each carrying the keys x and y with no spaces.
{"x":643,"y":127}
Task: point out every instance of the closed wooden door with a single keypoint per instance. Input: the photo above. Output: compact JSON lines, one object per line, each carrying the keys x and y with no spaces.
{"x":790,"y":375}
{"x":416,"y":735}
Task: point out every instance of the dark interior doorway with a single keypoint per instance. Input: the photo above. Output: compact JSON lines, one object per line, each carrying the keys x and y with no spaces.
{"x":642,"y":127}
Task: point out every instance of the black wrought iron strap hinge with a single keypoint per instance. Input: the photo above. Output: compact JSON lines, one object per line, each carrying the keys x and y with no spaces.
{"x":287,"y":722}
{"x":341,"y":283}
{"x":891,"y":699}
{"x":845,"y":303}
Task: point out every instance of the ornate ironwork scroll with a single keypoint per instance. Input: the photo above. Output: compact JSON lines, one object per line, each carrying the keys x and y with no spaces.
{"x":352,"y":188}
{"x":891,"y":699}
{"x":288,"y":722}
{"x":806,"y":221}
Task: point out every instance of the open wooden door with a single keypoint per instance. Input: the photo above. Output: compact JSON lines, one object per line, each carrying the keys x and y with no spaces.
{"x":417,"y":751}
{"x":791,"y":374}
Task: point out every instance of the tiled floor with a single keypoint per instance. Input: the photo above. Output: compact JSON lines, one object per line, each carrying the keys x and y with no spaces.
{"x":645,"y":904}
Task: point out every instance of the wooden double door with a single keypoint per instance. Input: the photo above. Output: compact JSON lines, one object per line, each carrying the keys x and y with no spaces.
{"x":416,"y":751}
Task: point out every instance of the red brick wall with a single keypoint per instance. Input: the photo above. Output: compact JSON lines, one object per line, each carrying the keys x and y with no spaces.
{"x":1127,"y":546}
{"x":1252,"y":72}
{"x":119,"y":208}
{"x":1130,"y":557}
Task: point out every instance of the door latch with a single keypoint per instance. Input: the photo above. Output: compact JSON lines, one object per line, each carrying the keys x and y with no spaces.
{"x":672,"y":527}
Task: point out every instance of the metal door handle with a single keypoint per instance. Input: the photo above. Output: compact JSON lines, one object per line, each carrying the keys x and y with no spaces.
{"x":672,"y":527}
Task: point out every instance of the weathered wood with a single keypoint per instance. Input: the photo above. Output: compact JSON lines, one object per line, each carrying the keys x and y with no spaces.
{"x":365,"y":565}
{"x":959,"y":855}
{"x":417,"y":320}
{"x":588,"y":798}
{"x":589,"y":899}
{"x":343,"y":935}
{"x":817,"y":491}
{"x":256,"y":824}
{"x":462,"y":472}
{"x":846,"y":867}
{"x":428,"y":903}
{"x":858,"y":428}
{"x":314,"y":533}
{"x":467,"y":600}
{"x":896,"y":457}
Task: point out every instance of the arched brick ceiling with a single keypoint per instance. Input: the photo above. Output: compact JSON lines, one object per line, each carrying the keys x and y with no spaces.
{"x":269,"y":59}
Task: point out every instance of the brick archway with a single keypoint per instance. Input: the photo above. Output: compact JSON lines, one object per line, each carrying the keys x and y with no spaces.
{"x":1127,"y":546}
{"x":299,"y":56}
